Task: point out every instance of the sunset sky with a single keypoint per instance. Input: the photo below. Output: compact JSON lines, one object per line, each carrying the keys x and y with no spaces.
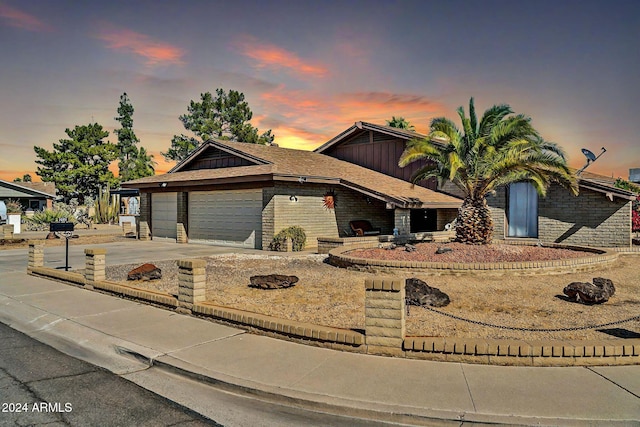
{"x":310,"y":69}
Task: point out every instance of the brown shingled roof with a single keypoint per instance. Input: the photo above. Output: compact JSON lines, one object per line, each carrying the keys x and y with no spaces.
{"x":288,"y":164}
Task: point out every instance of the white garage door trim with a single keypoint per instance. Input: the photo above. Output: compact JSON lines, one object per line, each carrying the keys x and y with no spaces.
{"x":226,"y":218}
{"x":164,"y":215}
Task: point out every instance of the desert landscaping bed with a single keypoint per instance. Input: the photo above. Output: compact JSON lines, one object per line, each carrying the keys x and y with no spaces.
{"x":331,"y":296}
{"x":458,"y":252}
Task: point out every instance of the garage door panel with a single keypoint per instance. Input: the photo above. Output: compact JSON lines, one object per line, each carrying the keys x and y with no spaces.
{"x":232,"y":217}
{"x":164,"y":214}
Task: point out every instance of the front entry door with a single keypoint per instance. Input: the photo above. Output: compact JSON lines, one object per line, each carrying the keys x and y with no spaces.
{"x":522,"y":210}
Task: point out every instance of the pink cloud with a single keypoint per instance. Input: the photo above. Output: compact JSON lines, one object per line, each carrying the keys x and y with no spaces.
{"x":154,"y":52}
{"x":268,"y":55}
{"x":19,"y":19}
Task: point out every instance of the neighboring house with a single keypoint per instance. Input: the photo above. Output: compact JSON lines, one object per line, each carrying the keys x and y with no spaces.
{"x":599,"y":216}
{"x":34,"y":196}
{"x":239,"y":194}
{"x":634,"y":175}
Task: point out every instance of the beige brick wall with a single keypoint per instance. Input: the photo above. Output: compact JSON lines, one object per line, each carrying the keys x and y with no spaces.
{"x":588,"y":219}
{"x":308,"y":212}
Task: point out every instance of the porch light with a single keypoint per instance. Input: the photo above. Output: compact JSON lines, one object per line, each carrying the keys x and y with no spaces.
{"x":163,"y":184}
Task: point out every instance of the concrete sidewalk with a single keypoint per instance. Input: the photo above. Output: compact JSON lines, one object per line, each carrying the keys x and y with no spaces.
{"x":128,"y":337}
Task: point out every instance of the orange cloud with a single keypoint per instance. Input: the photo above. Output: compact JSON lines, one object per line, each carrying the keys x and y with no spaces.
{"x":19,"y":19}
{"x":305,"y":119}
{"x":267,"y":55}
{"x":153,"y":51}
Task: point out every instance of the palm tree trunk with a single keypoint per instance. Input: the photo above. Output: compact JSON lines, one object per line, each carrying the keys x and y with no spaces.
{"x":474,"y":225}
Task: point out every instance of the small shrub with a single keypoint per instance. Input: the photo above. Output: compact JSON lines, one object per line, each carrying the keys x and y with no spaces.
{"x":13,"y":207}
{"x":41,"y":219}
{"x":295,"y":233}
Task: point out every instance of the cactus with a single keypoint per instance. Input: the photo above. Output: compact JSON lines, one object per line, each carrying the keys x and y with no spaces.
{"x":107,"y":208}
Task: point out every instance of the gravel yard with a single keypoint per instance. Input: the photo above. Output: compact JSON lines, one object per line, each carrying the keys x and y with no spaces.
{"x":331,"y":296}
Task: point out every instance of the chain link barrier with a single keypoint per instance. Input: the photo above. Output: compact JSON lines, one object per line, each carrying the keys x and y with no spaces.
{"x":514,"y":328}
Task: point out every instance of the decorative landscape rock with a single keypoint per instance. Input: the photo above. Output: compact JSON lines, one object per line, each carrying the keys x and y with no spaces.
{"x":590,"y":293}
{"x":273,"y":281}
{"x":409,"y":248}
{"x":419,"y":293}
{"x":145,"y":272}
{"x":443,"y":249}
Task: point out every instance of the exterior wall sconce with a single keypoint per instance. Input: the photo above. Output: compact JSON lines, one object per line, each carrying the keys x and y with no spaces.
{"x":293,"y":198}
{"x":302,"y":179}
{"x":163,"y":184}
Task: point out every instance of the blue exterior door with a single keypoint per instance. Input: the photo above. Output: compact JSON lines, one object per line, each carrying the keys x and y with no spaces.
{"x":522,"y":210}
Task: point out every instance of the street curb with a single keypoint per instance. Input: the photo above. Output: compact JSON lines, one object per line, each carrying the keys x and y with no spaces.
{"x":360,"y":409}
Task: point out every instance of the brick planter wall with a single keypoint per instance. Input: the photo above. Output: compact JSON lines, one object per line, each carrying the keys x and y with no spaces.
{"x":95,"y":264}
{"x":192,"y":282}
{"x":384,"y":312}
{"x":36,"y":254}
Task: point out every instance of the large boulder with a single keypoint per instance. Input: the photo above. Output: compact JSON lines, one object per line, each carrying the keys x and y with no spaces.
{"x":590,"y":293}
{"x":145,"y":272}
{"x":273,"y":281}
{"x":419,"y":293}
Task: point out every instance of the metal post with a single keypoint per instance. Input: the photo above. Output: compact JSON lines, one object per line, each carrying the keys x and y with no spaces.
{"x":66,"y":258}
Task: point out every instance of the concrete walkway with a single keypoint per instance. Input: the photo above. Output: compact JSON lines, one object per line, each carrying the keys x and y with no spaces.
{"x":127,"y":337}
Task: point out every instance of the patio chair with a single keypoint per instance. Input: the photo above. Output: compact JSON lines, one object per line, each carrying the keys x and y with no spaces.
{"x":362,"y":227}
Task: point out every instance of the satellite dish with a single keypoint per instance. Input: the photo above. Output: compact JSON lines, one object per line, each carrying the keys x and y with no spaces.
{"x":590,"y":158}
{"x":589,"y":155}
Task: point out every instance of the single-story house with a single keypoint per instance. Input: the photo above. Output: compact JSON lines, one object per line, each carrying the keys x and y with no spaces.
{"x":239,"y":194}
{"x":599,"y":216}
{"x":35,"y":196}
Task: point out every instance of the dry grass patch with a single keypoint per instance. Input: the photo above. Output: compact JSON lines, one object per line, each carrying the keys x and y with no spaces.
{"x":331,"y":296}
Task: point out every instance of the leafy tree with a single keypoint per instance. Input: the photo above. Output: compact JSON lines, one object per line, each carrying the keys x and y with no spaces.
{"x":226,"y":116}
{"x":497,"y":150}
{"x":79,"y":165}
{"x":400,"y":123}
{"x":133,"y":162}
{"x":25,"y":178}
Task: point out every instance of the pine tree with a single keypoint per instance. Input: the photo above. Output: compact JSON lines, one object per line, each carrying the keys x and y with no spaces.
{"x":79,"y":166}
{"x":226,"y":116}
{"x":133,"y":162}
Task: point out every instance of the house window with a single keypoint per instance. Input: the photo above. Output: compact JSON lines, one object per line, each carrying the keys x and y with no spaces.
{"x":522,"y":210}
{"x":423,"y":220}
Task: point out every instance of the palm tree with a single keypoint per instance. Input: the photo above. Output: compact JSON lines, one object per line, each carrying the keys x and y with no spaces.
{"x":499,"y":149}
{"x":400,"y":123}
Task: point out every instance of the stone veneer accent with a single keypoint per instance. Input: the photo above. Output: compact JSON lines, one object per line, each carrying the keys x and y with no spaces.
{"x":36,"y":254}
{"x":384,"y":312}
{"x":192,"y":282}
{"x":95,"y":263}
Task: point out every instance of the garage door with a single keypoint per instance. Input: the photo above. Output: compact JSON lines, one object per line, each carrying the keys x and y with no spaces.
{"x":230,"y":218}
{"x":164,"y":214}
